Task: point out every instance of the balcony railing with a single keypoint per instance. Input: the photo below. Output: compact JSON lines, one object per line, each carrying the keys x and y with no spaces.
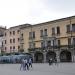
{"x":51,"y":48}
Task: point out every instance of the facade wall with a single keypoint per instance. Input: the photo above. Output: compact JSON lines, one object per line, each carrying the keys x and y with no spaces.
{"x":63,"y":36}
{"x":24,"y":41}
{"x":9,"y":35}
{"x":36,"y":28}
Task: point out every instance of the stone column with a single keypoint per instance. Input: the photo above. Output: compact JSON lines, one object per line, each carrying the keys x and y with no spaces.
{"x":33,"y":57}
{"x":58,"y":55}
{"x":44,"y":54}
{"x":73,"y":56}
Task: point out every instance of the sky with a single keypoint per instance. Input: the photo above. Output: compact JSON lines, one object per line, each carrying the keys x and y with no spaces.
{"x":17,"y":12}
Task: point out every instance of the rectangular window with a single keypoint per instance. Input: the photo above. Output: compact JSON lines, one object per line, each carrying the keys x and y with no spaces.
{"x":5,"y":41}
{"x":22,"y":35}
{"x":18,"y":47}
{"x":42,"y":44}
{"x":68,"y":28}
{"x":45,"y":32}
{"x":5,"y":48}
{"x":69,"y":41}
{"x":58,"y":42}
{"x":73,"y":27}
{"x":31,"y":45}
{"x":10,"y":47}
{"x":10,"y":40}
{"x":73,"y":41}
{"x":41,"y":33}
{"x":13,"y":32}
{"x":33,"y":34}
{"x":13,"y":47}
{"x":30,"y":35}
{"x":58,"y":30}
{"x":18,"y":31}
{"x":5,"y":34}
{"x":13,"y":40}
{"x":53,"y":31}
{"x":48,"y":43}
{"x":18,"y":39}
{"x":10,"y":33}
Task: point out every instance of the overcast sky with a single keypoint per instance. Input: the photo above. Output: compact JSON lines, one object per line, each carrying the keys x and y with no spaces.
{"x":15,"y":12}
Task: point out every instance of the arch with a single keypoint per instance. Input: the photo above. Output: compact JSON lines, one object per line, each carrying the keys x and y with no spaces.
{"x":38,"y":57}
{"x":65,"y":56}
{"x":50,"y":54}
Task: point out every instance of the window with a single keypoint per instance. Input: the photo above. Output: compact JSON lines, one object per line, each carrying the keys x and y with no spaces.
{"x":53,"y":31}
{"x":2,"y":43}
{"x":5,"y":48}
{"x":10,"y":33}
{"x":22,"y":34}
{"x":13,"y":32}
{"x":13,"y":47}
{"x":42,"y":44}
{"x":10,"y":40}
{"x":31,"y":45}
{"x":13,"y":40}
{"x":69,"y":41}
{"x":18,"y":39}
{"x":5,"y":41}
{"x":73,"y":27}
{"x":30,"y":35}
{"x":58,"y":30}
{"x":68,"y":28}
{"x":18,"y":31}
{"x":45,"y":32}
{"x":5,"y":34}
{"x":48,"y":43}
{"x":58,"y":42}
{"x":33,"y":34}
{"x":18,"y":47}
{"x":10,"y":47}
{"x":41,"y":33}
{"x":73,"y":41}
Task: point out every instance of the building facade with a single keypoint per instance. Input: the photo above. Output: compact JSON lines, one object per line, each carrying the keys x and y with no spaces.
{"x":12,"y":39}
{"x":53,"y":39}
{"x":2,"y":29}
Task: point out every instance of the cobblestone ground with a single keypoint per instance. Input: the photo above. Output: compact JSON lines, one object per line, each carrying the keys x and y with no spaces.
{"x":39,"y":69}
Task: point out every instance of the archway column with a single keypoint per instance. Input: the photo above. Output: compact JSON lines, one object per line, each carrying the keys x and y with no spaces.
{"x":33,"y":57}
{"x":73,"y":56}
{"x":44,"y":54}
{"x":58,"y":55}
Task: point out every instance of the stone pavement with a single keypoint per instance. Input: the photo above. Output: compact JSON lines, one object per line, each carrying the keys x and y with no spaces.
{"x":39,"y":69}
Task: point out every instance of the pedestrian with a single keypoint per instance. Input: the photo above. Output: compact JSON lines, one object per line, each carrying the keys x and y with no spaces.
{"x":30,"y":62}
{"x":50,"y":61}
{"x":22,"y":64}
{"x":26,"y":67}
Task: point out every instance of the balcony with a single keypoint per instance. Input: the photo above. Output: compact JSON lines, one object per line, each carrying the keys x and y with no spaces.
{"x":64,"y":47}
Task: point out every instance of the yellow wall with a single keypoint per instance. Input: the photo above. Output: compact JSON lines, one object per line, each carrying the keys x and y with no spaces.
{"x":63,"y":35}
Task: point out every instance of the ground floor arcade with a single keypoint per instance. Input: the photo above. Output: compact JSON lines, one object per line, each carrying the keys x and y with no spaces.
{"x":60,"y":55}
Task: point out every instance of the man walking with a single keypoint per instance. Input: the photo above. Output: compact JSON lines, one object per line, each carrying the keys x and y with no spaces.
{"x":26,"y":67}
{"x":30,"y":62}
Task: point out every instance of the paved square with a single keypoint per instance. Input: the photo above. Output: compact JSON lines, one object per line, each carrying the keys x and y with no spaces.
{"x":39,"y":69}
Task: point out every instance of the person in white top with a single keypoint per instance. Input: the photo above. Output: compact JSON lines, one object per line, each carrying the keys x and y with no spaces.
{"x":26,"y":67}
{"x":30,"y":62}
{"x":22,"y":64}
